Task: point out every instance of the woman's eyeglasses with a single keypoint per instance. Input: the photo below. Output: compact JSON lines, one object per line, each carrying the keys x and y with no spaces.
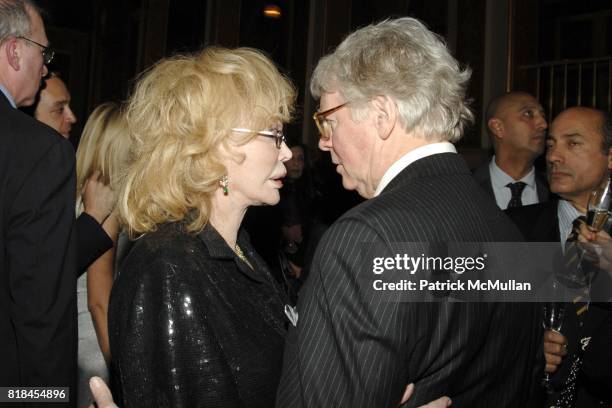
{"x":277,"y":135}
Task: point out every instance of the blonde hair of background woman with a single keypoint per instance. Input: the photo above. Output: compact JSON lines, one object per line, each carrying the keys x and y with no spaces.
{"x":179,"y":119}
{"x":103,"y":147}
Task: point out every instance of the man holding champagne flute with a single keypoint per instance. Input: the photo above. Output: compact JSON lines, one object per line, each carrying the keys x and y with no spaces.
{"x":579,"y":159}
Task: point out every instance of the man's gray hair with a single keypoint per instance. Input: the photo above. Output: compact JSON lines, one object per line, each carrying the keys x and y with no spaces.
{"x":405,"y":61}
{"x":14,"y":18}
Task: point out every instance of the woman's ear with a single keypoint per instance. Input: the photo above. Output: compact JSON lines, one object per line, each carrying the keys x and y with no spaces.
{"x":385,"y":115}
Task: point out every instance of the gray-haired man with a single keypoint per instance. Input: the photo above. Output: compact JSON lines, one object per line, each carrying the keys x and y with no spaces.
{"x":392,"y":101}
{"x":37,"y":190}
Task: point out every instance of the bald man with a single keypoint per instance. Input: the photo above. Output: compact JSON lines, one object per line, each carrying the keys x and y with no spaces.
{"x":579,"y":159}
{"x":517,"y":127}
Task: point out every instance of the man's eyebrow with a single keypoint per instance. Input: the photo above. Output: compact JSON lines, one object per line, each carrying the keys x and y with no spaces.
{"x":564,"y":136}
{"x":60,"y":103}
{"x":531,"y":106}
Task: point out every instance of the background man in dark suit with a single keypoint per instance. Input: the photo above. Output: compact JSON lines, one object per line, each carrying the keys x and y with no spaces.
{"x":392,"y":101}
{"x":517,"y":126}
{"x":579,"y":159}
{"x":37,"y":190}
{"x":52,"y":107}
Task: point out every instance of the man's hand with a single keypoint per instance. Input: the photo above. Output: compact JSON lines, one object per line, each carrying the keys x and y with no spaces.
{"x":441,"y":402}
{"x":98,"y":199}
{"x":555,"y":348}
{"x":102,"y":395}
{"x":598,"y":245}
{"x":296,"y":271}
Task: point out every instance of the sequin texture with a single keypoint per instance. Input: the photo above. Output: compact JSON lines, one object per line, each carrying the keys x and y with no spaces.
{"x":191,"y":325}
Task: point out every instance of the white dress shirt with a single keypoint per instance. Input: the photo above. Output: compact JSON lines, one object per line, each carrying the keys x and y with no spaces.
{"x":8,"y":96}
{"x":500,"y":180}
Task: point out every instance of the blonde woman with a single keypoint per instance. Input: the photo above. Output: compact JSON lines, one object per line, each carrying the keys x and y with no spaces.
{"x":101,"y":157}
{"x":195,"y":318}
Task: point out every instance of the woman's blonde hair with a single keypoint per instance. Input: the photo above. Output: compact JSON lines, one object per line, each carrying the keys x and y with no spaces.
{"x":103,"y":147}
{"x":180,"y":117}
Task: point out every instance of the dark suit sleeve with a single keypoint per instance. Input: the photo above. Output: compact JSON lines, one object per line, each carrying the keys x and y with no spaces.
{"x":93,"y":241}
{"x":41,"y":267}
{"x":598,"y":357}
{"x":347,"y":349}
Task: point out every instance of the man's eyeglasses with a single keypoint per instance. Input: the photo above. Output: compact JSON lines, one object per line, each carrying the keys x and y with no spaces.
{"x":47,"y":52}
{"x":324,"y":126}
{"x":277,"y":135}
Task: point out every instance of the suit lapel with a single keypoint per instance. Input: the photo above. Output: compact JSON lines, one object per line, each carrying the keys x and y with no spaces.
{"x":541,"y":187}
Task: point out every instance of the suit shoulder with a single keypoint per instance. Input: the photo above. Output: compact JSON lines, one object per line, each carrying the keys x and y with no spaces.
{"x":481,"y":173}
{"x":26,"y":141}
{"x":21,"y":128}
{"x":355,"y":224}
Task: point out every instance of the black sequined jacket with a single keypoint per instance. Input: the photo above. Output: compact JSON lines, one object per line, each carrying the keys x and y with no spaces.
{"x":192,"y":325}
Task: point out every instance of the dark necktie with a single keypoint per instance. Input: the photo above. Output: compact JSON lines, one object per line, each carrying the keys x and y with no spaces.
{"x":517,"y":191}
{"x":576,"y":277}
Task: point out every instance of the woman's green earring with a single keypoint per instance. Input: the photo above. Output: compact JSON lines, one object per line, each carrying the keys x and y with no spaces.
{"x":224,"y":183}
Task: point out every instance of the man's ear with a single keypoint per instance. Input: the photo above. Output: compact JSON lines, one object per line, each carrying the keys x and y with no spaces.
{"x":610,"y":158}
{"x":496,"y":127}
{"x":386,"y":115}
{"x":11,"y":51}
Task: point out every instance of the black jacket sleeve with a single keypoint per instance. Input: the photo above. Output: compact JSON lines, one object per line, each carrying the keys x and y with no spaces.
{"x":165,"y":351}
{"x":92,"y":241}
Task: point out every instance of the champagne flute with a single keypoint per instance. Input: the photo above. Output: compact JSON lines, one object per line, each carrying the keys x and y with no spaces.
{"x":552,"y":320}
{"x":598,"y":211}
{"x":599,"y":206}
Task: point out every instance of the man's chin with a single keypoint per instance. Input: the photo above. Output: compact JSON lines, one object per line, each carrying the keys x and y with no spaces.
{"x":352,"y":185}
{"x":560,"y":189}
{"x":348,"y":183}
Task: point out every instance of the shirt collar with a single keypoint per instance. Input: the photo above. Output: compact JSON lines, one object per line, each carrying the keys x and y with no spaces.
{"x":8,"y":96}
{"x":409,"y":158}
{"x":219,"y":249}
{"x":500,"y":178}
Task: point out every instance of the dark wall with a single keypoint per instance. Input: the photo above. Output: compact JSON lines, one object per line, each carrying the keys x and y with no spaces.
{"x":103,"y":45}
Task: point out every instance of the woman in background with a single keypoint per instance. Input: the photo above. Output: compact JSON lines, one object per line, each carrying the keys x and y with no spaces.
{"x":195,"y":317}
{"x":101,"y":157}
{"x":301,"y":228}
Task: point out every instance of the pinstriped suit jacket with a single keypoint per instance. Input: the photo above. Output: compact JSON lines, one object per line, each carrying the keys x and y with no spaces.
{"x":351,"y":349}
